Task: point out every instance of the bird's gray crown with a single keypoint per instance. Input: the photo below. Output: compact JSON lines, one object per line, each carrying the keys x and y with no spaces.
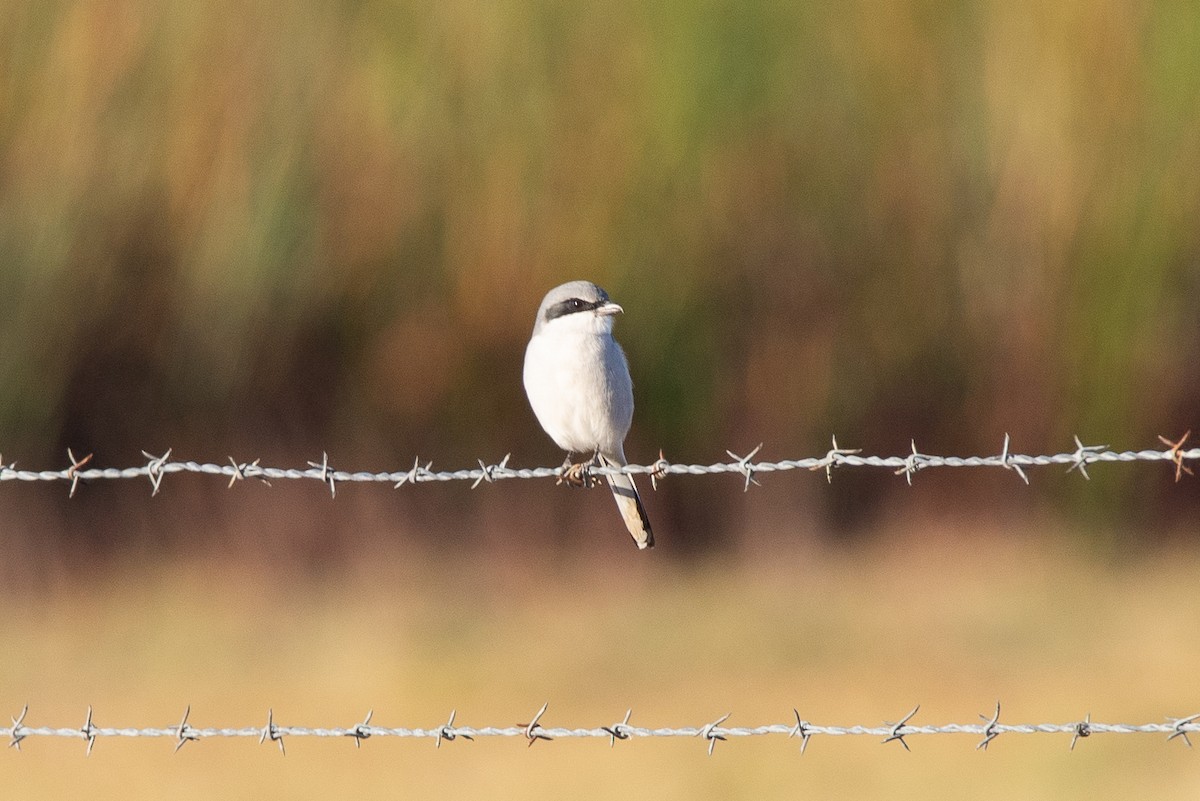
{"x":570,"y":298}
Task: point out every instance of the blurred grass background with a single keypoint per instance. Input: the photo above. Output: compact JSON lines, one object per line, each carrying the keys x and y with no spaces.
{"x":276,"y":229}
{"x":228,"y":227}
{"x":953,"y":622}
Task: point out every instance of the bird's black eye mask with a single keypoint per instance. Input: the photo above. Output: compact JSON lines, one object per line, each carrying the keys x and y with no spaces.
{"x":572,"y":306}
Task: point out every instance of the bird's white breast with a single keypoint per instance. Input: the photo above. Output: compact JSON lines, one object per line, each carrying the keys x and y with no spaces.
{"x":579,"y":387}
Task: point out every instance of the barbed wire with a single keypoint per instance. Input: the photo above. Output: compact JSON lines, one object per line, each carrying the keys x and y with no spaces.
{"x":988,"y":729}
{"x":158,"y":467}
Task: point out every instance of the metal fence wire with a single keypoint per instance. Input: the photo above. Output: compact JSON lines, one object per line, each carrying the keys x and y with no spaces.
{"x":156,"y":468}
{"x":988,"y":729}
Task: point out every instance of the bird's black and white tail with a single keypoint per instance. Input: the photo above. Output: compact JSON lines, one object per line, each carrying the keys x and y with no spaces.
{"x":630,"y":504}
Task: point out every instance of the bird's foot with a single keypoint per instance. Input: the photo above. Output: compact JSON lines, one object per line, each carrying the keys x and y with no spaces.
{"x":577,"y":474}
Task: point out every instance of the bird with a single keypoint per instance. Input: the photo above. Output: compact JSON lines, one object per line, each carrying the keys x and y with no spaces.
{"x":577,"y":381}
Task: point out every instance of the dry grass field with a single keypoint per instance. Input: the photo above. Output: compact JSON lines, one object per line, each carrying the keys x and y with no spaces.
{"x":854,"y":636}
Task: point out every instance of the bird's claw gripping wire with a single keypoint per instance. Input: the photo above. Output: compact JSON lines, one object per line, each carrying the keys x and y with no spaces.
{"x":578,"y":474}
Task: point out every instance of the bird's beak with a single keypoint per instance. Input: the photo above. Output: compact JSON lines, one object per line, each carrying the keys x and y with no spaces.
{"x":609,"y":309}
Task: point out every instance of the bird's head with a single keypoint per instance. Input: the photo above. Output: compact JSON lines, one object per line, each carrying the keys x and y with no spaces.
{"x":579,"y":307}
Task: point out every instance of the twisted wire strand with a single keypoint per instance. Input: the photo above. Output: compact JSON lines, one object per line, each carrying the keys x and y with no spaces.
{"x":989,"y":729}
{"x":157,"y":467}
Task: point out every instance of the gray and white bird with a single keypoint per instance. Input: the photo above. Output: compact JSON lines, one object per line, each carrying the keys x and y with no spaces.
{"x":578,"y":384}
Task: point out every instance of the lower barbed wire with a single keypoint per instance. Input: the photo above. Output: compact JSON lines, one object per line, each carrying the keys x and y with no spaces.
{"x":20,"y":732}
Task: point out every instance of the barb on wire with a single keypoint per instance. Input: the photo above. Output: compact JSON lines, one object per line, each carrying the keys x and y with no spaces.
{"x":154,"y":469}
{"x":362,"y":731}
{"x":1010,"y":463}
{"x":835,"y":457}
{"x":533,"y":730}
{"x":72,"y":472}
{"x":185,"y":733}
{"x":1080,"y":458}
{"x":992,"y":731}
{"x":327,"y":473}
{"x":745,"y":466}
{"x":660,"y":468}
{"x":1084,"y":454}
{"x":486,"y":470}
{"x":89,"y":731}
{"x":989,"y":728}
{"x":242,"y":471}
{"x":620,"y":731}
{"x":19,"y":721}
{"x":1180,"y":727}
{"x":711,"y":733}
{"x":413,"y":475}
{"x":1083,"y":729}
{"x":448,"y":732}
{"x":1177,"y":454}
{"x":801,"y":730}
{"x":897,"y":733}
{"x":272,"y":731}
{"x":912,"y":463}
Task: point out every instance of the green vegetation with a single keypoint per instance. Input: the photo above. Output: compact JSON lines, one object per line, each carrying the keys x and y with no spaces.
{"x":277,"y":226}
